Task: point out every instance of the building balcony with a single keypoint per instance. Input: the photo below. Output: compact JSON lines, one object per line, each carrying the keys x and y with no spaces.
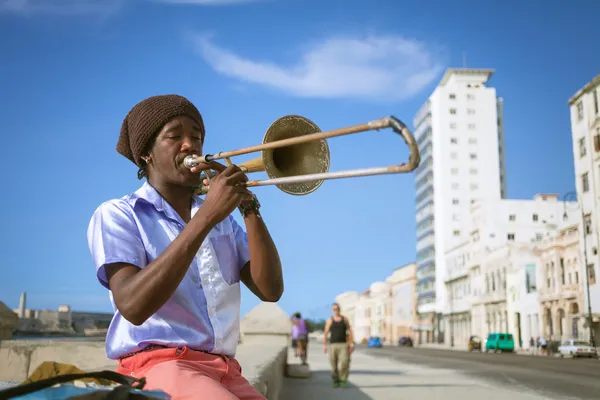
{"x":564,"y":293}
{"x":423,"y":113}
{"x":456,"y":274}
{"x":492,"y":297}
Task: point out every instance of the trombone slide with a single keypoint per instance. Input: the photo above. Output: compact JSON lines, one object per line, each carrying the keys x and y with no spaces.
{"x":257,"y":164}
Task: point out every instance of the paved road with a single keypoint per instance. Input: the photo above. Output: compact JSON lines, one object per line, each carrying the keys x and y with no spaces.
{"x":547,"y":376}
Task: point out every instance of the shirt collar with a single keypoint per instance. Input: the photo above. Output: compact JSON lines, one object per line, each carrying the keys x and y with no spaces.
{"x":151,"y":196}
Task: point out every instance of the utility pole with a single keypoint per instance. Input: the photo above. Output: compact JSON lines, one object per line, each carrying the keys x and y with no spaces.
{"x":570,"y":196}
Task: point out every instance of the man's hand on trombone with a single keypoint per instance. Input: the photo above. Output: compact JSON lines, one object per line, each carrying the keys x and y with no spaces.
{"x":227,"y":188}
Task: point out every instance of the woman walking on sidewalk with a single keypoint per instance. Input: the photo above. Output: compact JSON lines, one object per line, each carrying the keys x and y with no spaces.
{"x":341,"y":345}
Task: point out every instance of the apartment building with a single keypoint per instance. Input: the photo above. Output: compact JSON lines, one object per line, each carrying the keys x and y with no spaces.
{"x":485,"y":273}
{"x":585,"y":127}
{"x":460,"y":135}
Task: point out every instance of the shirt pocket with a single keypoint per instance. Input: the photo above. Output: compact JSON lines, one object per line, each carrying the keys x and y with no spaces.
{"x":227,"y":257}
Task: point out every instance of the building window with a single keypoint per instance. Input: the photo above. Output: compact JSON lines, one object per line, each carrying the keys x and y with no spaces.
{"x":511,"y":236}
{"x":597,"y":140}
{"x":472,"y":140}
{"x":454,"y":171}
{"x":455,"y":186}
{"x":470,"y":111}
{"x":539,"y":236}
{"x":453,"y":111}
{"x":452,"y":125}
{"x":585,"y":184}
{"x":512,"y":217}
{"x":473,"y":156}
{"x":471,"y":126}
{"x":453,"y":140}
{"x":473,"y":171}
{"x":454,"y":201}
{"x":474,"y":186}
{"x":470,"y":96}
{"x":456,"y":233}
{"x":579,"y":111}
{"x":591,"y":274}
{"x":452,"y":96}
{"x":453,"y":156}
{"x":534,"y":217}
{"x":595,"y":95}
{"x":582,"y":147}
{"x":587,"y":221}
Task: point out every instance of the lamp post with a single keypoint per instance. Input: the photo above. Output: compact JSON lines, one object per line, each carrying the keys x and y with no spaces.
{"x":572,"y":196}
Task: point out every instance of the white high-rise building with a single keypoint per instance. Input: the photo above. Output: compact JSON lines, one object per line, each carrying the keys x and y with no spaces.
{"x":459,"y":131}
{"x":585,"y":127}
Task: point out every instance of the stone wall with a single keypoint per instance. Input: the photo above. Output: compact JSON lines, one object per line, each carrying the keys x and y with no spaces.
{"x":262,"y":353}
{"x":8,"y":322}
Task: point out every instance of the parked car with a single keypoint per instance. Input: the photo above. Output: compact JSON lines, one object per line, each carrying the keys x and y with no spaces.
{"x":374,"y":341}
{"x":500,"y":342}
{"x":405,"y":341}
{"x":474,"y":343}
{"x":577,"y":348}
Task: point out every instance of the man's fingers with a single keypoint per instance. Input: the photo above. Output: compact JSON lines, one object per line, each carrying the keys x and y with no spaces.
{"x":218,"y":167}
{"x":236,"y":177}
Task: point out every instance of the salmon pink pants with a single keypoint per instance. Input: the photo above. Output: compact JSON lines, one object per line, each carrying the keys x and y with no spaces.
{"x":184,"y":373}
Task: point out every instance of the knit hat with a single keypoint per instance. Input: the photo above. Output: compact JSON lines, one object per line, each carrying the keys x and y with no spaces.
{"x":147,"y":118}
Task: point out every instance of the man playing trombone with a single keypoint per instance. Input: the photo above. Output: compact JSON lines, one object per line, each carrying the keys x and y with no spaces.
{"x":173,"y":262}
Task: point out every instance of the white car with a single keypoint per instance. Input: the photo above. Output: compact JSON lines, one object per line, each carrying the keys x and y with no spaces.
{"x":577,"y":348}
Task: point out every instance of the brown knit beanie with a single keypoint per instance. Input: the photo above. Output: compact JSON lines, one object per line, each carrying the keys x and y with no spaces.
{"x":147,"y":118}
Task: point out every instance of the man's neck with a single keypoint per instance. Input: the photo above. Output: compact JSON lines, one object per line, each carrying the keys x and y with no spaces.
{"x":178,"y":197}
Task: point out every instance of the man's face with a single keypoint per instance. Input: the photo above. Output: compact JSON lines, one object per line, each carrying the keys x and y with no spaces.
{"x":179,"y":138}
{"x":335,"y":309}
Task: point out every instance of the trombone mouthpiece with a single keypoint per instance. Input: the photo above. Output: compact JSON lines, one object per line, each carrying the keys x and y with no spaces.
{"x":191,"y":161}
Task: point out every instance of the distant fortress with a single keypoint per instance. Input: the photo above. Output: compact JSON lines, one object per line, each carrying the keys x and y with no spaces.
{"x":62,"y":322}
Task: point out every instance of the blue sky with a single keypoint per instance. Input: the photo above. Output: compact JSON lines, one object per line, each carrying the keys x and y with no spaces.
{"x":72,"y":69}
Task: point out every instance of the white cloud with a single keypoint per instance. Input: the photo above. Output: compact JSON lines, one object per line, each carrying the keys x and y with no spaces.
{"x":374,"y":67}
{"x":60,"y":7}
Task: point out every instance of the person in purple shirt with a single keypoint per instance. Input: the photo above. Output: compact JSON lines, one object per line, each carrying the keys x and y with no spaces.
{"x":173,"y":263}
{"x":300,"y":336}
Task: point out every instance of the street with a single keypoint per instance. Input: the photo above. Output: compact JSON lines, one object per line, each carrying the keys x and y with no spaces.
{"x":547,"y":376}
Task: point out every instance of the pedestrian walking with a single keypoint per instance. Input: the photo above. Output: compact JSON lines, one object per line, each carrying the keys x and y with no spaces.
{"x":300,"y":336}
{"x":341,"y":345}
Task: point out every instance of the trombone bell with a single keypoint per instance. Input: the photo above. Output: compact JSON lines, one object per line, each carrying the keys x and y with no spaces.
{"x":297,"y":159}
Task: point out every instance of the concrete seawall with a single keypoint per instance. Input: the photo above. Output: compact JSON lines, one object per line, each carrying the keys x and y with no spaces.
{"x":262,"y":353}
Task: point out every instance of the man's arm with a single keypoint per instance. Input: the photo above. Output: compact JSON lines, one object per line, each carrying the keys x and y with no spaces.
{"x":349,"y":330}
{"x":139,"y":290}
{"x":139,"y":293}
{"x":326,"y":332}
{"x":263,"y":274}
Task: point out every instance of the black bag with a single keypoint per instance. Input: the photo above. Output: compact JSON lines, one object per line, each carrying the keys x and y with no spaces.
{"x":122,"y":392}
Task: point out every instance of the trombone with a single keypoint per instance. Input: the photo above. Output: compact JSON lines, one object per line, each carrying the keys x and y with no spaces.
{"x":296,"y":158}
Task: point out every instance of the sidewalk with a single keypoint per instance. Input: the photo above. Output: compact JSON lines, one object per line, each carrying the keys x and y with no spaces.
{"x":378,"y":378}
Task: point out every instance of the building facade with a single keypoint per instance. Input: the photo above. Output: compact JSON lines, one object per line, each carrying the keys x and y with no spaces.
{"x":460,"y":135}
{"x":486,"y":274}
{"x":585,"y":127}
{"x":402,"y":302}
